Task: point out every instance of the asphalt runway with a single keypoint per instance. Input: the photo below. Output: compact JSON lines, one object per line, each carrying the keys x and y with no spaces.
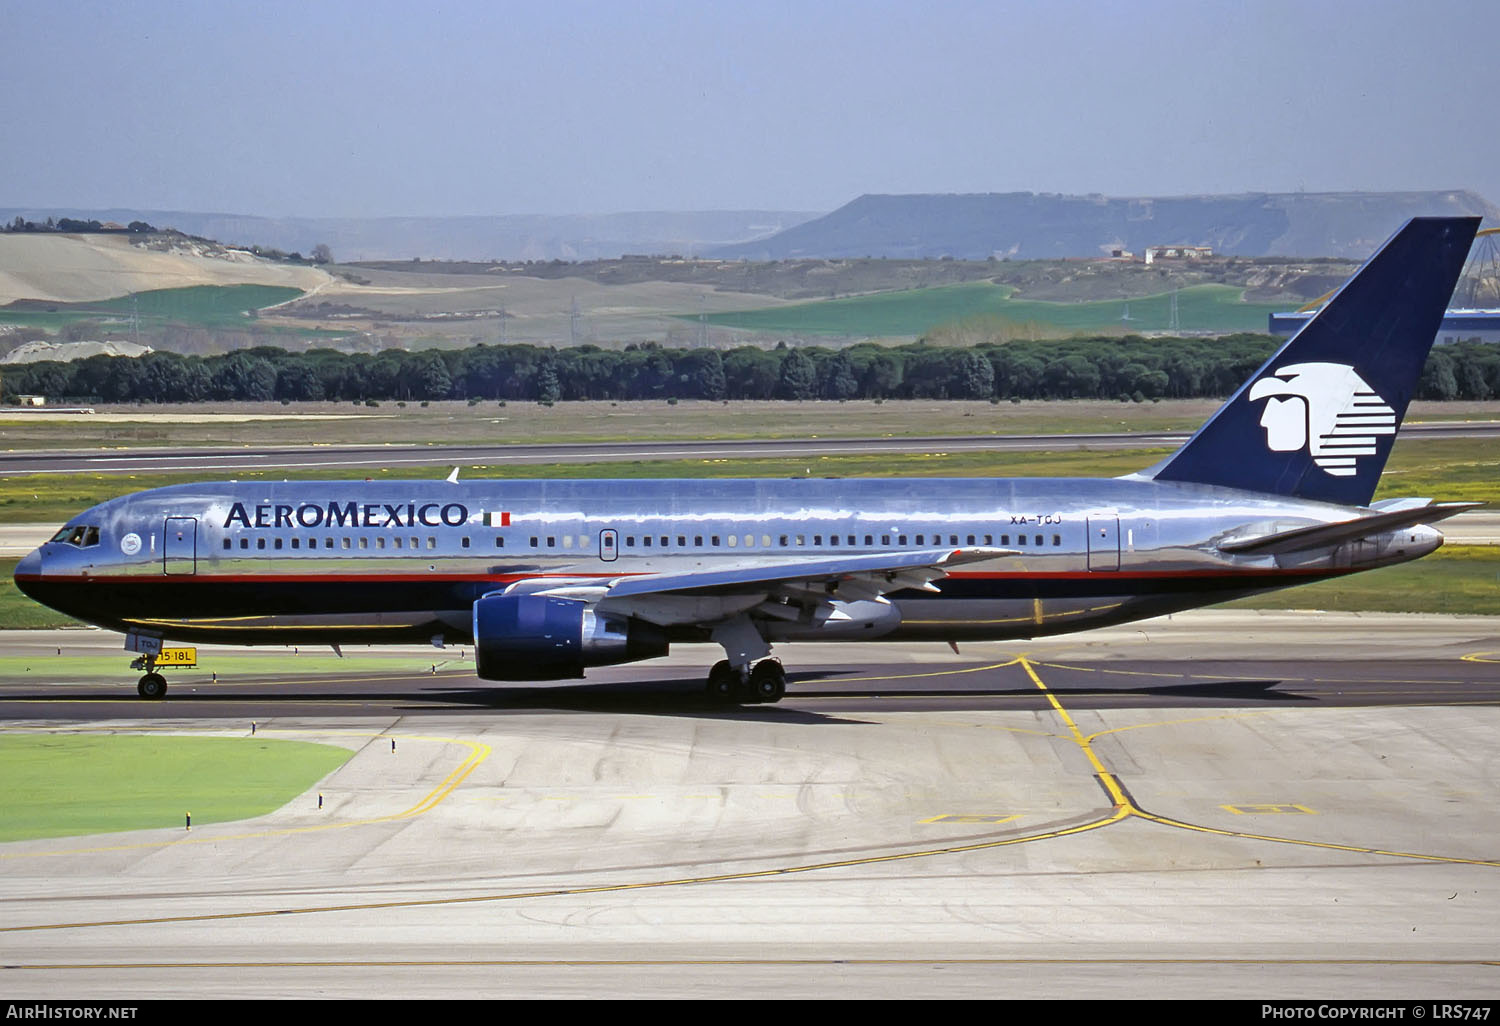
{"x":1216,"y":804}
{"x":212,"y":462}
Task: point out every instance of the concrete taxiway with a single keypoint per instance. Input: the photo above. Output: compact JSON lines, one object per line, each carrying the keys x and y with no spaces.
{"x":1230,"y":804}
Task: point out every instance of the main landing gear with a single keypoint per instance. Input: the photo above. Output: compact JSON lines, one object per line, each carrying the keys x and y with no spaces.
{"x":152,"y":685}
{"x":744,"y":685}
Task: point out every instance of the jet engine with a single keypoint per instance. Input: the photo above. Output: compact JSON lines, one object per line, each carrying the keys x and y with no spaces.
{"x":541,"y":637}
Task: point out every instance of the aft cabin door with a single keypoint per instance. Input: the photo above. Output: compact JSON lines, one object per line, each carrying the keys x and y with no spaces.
{"x":179,"y":546}
{"x":1104,"y":542}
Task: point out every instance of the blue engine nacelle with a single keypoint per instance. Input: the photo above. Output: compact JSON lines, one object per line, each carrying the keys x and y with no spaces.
{"x":538,"y":637}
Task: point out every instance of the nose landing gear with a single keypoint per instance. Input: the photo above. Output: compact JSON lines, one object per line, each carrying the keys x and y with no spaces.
{"x":152,"y":685}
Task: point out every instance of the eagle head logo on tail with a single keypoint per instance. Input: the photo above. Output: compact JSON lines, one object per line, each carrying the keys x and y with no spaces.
{"x":1325,"y":407}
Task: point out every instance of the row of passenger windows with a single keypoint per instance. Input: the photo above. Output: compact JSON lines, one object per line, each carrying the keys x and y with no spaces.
{"x":362,"y":542}
{"x":786,"y":541}
{"x":631,"y":541}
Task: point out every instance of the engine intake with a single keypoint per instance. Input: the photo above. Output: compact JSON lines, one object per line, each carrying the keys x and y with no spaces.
{"x":539,"y":637}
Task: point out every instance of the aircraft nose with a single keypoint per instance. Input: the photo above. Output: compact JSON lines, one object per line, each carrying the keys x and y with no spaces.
{"x":29,"y":566}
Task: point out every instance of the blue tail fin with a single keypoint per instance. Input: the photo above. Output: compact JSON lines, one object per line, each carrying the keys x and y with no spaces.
{"x":1319,"y":418}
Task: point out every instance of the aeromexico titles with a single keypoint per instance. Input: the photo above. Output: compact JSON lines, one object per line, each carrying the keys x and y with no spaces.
{"x":548,"y":577}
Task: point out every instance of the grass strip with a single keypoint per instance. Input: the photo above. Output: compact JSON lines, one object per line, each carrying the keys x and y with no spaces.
{"x":60,"y":785}
{"x":1457,"y":579}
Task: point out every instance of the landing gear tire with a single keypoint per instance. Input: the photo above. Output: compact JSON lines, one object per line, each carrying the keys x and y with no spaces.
{"x":768,"y":681}
{"x":764,"y":684}
{"x":723,"y":682}
{"x":152,"y":686}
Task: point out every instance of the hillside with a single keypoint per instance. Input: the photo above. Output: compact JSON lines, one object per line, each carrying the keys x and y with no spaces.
{"x":83,"y":268}
{"x":508,"y":237}
{"x":1030,"y":226}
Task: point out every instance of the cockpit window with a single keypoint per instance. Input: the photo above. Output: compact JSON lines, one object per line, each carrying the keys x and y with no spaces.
{"x":81,"y":535}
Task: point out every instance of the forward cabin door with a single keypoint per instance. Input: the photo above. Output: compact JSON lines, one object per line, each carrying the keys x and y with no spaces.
{"x":179,"y":545}
{"x":1104,"y":542}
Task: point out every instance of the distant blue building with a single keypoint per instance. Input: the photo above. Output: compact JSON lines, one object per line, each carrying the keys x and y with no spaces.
{"x":1458,"y":325}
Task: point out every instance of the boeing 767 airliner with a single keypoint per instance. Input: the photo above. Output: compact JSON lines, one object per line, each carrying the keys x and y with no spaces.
{"x":546,"y":578}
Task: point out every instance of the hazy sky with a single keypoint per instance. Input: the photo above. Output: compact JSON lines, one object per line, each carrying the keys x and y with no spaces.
{"x":326,"y":107}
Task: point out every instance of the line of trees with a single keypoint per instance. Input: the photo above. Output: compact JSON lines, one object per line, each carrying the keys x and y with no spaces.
{"x":74,"y":226}
{"x":1093,"y":368}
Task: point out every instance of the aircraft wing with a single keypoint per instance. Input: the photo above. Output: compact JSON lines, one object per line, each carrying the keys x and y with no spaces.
{"x":1316,"y":536}
{"x":804,"y":590}
{"x":883,"y":571}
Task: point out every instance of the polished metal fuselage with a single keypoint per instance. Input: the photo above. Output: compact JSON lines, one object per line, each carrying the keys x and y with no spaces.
{"x":344,"y":562}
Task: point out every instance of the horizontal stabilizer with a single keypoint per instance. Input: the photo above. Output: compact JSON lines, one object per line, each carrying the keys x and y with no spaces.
{"x":1319,"y":536}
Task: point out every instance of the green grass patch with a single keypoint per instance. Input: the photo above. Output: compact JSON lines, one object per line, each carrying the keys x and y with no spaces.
{"x":209,"y":306}
{"x":1443,"y":468}
{"x":66,"y":785}
{"x":1459,"y":579}
{"x":19,"y":613}
{"x":1217,"y":308}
